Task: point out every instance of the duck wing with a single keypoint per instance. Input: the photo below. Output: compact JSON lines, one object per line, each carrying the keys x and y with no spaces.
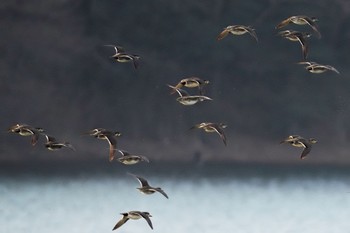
{"x":120,"y":223}
{"x":307,"y":148}
{"x":221,"y":133}
{"x":223,"y":34}
{"x":304,"y":45}
{"x":252,"y":32}
{"x":112,"y":146}
{"x":143,"y":182}
{"x":162,"y":192}
{"x":313,"y":25}
{"x":145,"y":216}
{"x":283,"y":23}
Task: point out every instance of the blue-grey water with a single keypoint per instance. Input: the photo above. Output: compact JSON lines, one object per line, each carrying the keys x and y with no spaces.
{"x":260,"y":201}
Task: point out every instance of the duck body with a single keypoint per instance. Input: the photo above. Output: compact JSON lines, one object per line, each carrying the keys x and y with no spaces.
{"x":129,"y":159}
{"x":186,"y":99}
{"x":191,"y":82}
{"x":53,"y":145}
{"x":123,"y":57}
{"x":192,"y":99}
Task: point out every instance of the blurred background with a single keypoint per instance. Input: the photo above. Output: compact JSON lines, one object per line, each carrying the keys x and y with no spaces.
{"x":57,"y":74}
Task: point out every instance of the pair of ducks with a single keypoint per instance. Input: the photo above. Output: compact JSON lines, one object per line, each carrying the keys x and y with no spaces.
{"x":298,"y":141}
{"x":297,"y":36}
{"x":110,"y":137}
{"x":122,"y":56}
{"x":135,"y":215}
{"x":184,"y":97}
{"x":293,"y":35}
{"x":51,"y":142}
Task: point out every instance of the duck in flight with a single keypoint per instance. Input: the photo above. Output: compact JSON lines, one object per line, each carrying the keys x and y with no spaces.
{"x":186,"y":99}
{"x":27,"y":130}
{"x":52,"y":144}
{"x":210,"y":127}
{"x":314,"y":67}
{"x":130,"y":159}
{"x":134,"y":215}
{"x":237,"y":30}
{"x":298,"y":141}
{"x":191,"y":82}
{"x":146,"y":188}
{"x":122,"y":57}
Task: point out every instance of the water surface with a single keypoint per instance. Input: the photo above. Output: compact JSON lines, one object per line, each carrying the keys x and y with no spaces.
{"x":206,"y":200}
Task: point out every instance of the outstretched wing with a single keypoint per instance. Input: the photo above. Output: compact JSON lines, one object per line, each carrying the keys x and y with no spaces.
{"x":220,"y":131}
{"x":68,"y":145}
{"x":307,"y":148}
{"x":332,"y":69}
{"x":223,"y":34}
{"x":50,"y":138}
{"x":145,"y":216}
{"x":304,"y":45}
{"x":112,"y":146}
{"x":120,"y":223}
{"x":283,"y":23}
{"x":118,"y":49}
{"x":144,"y":158}
{"x":143,"y":182}
{"x":181,"y":92}
{"x":313,"y":25}
{"x":252,"y":33}
{"x":162,"y":192}
{"x":306,"y":151}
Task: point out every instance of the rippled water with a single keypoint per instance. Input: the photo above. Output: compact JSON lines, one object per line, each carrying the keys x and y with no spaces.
{"x":206,"y":204}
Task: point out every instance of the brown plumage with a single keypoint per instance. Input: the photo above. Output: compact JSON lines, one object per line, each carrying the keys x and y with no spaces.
{"x":212,"y":128}
{"x":237,"y":30}
{"x":27,"y":130}
{"x":301,"y":20}
{"x":104,"y":134}
{"x":298,"y":141}
{"x":297,"y":36}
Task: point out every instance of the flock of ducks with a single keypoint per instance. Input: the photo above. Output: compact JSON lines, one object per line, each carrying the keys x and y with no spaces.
{"x":99,"y":133}
{"x":186,"y":99}
{"x":301,"y":37}
{"x":291,"y":35}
